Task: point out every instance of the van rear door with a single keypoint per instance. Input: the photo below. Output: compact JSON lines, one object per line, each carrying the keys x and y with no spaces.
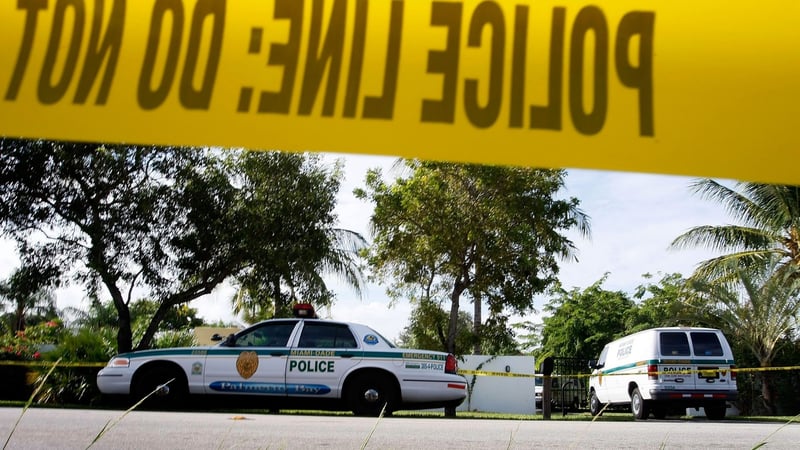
{"x":676,"y":370}
{"x":713,"y":369}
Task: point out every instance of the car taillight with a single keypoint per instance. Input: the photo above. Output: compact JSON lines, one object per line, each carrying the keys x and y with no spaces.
{"x":733,"y":373}
{"x":451,"y":364}
{"x":652,"y":372}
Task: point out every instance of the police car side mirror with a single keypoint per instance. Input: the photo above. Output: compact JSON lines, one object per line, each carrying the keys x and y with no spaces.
{"x":593,"y":364}
{"x":230,"y":341}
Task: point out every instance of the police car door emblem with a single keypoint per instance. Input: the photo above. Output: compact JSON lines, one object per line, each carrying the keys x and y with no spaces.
{"x":247,"y":364}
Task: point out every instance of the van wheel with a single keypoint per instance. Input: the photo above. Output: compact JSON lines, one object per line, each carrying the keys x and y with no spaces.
{"x":715,"y":411}
{"x":639,"y":406}
{"x":595,"y":407}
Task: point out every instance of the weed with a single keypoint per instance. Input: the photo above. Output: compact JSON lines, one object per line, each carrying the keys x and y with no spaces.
{"x":369,"y":436}
{"x":112,"y":423}
{"x":766,"y":439}
{"x":30,"y":401}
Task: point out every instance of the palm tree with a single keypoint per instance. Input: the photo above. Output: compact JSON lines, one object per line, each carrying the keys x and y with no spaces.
{"x":28,"y":292}
{"x":759,"y":308}
{"x":257,"y":299}
{"x":770,"y":226}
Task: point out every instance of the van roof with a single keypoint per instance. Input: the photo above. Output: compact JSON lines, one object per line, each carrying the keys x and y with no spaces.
{"x":678,"y":329}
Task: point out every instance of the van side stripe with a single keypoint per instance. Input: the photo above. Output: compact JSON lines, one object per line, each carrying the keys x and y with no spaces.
{"x":666,"y":361}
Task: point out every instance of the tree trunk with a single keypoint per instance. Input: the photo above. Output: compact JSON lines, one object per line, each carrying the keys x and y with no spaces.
{"x":452,"y":329}
{"x":152,"y":327}
{"x":19,"y":319}
{"x":767,"y":393}
{"x":455,"y":298}
{"x":124,"y":333}
{"x":477,"y":320}
{"x":282,"y":309}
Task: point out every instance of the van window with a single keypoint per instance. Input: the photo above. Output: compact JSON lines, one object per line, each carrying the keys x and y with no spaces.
{"x":706,"y":343}
{"x":674,"y":343}
{"x":601,"y":361}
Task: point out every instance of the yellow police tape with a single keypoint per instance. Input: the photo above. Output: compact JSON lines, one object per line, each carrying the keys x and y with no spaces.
{"x":481,"y":373}
{"x":738,"y":370}
{"x":49,"y":364}
{"x":605,"y":84}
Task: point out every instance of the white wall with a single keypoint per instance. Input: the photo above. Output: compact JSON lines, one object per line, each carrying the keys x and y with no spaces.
{"x":503,"y":394}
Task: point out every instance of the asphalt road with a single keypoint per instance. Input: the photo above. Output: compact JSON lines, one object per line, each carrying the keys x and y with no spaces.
{"x":75,"y":429}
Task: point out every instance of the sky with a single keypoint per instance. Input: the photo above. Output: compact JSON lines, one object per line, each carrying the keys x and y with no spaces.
{"x":633,"y":217}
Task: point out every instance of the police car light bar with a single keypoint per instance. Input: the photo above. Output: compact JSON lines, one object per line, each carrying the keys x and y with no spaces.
{"x":304,"y":310}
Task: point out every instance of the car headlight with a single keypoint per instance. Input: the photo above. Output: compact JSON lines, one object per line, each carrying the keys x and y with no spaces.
{"x":119,"y":362}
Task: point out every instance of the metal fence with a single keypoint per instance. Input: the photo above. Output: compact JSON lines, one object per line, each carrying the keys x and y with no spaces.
{"x":570,"y":392}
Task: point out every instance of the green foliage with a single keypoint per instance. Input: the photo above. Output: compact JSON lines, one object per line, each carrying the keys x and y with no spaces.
{"x":768,"y":227}
{"x":27,"y":296}
{"x":76,"y":385}
{"x":427,"y":328}
{"x":580,"y":323}
{"x":67,"y":386}
{"x":761,"y":309}
{"x":26,"y":345}
{"x":496,"y":337}
{"x":174,"y":338}
{"x":287,"y":216}
{"x":529,"y":336}
{"x":17,"y":348}
{"x":177,"y":318}
{"x":490,"y":233}
{"x":174,"y":222}
{"x":85,"y":345}
{"x":751,"y":290}
{"x":660,"y":304}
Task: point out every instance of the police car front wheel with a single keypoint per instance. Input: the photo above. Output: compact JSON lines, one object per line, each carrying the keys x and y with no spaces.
{"x":160,"y":387}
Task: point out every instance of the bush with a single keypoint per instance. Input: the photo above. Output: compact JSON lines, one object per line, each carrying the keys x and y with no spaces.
{"x":20,"y":347}
{"x":86,"y":345}
{"x":69,"y":384}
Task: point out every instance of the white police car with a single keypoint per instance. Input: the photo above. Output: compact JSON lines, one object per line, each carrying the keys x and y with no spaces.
{"x":294,"y":359}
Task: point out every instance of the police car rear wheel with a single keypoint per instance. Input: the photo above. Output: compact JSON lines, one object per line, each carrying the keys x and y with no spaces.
{"x":368,"y":394}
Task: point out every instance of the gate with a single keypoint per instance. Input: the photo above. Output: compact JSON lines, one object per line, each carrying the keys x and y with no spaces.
{"x":570,"y":384}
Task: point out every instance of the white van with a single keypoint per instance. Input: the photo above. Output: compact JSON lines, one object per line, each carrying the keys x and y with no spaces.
{"x":664,"y":369}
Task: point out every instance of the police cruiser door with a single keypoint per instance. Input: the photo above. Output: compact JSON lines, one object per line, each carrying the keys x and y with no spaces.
{"x":253,"y":362}
{"x":325,"y":352}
